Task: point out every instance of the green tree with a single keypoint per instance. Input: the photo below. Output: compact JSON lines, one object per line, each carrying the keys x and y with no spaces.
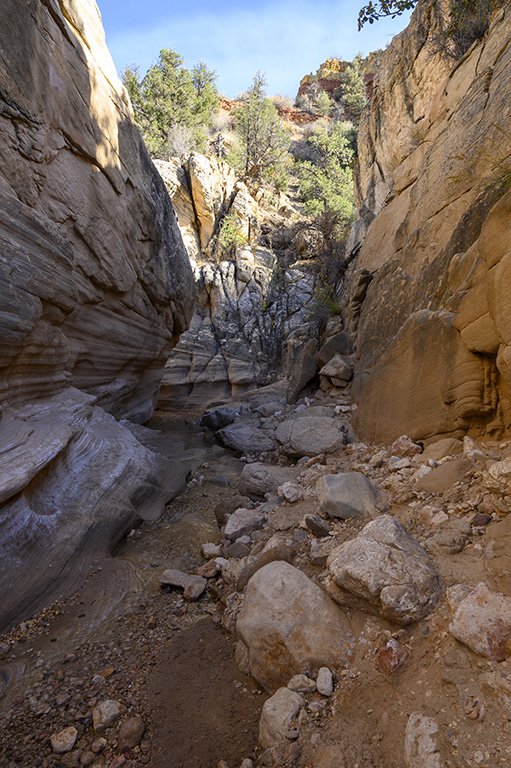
{"x":352,"y":91}
{"x":130,"y":76}
{"x":323,"y":103}
{"x":206,"y":94}
{"x":326,"y":185}
{"x":326,"y":181}
{"x":263,"y":143}
{"x":171,"y":103}
{"x":373,"y":11}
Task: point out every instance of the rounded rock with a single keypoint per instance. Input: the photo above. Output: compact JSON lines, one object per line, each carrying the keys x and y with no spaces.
{"x":130,"y":733}
{"x":325,"y":682}
{"x":64,"y":741}
{"x":106,"y":714}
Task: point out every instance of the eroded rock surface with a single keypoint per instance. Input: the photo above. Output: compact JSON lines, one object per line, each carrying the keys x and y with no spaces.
{"x":253,"y":313}
{"x":95,"y":290}
{"x":426,"y":293}
{"x":385,"y":570}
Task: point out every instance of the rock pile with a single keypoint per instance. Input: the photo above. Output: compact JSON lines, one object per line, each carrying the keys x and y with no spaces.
{"x":394,"y":570}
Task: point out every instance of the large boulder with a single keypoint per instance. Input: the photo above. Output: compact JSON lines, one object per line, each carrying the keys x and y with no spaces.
{"x":445,"y":476}
{"x":96,"y":288}
{"x":258,"y":478}
{"x":339,"y":344}
{"x":385,"y":571}
{"x":338,"y":371}
{"x":310,"y":436}
{"x":347,"y":495}
{"x":291,"y":626}
{"x":246,"y":437}
{"x":243,"y":522}
{"x":302,"y":370}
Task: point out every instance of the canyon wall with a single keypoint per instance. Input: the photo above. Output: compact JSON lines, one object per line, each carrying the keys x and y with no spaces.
{"x":426,"y":292}
{"x":255,"y":305}
{"x":95,"y":289}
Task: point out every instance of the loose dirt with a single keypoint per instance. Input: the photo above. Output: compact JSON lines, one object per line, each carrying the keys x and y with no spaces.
{"x":201,"y":712}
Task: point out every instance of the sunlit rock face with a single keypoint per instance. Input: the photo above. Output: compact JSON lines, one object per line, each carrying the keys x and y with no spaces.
{"x":95,"y":289}
{"x":426,"y":293}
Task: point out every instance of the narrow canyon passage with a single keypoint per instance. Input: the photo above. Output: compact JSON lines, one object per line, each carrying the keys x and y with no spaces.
{"x":135,"y":675}
{"x":122,"y":636}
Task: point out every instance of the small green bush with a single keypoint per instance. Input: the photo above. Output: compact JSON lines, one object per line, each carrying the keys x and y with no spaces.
{"x":230,"y":236}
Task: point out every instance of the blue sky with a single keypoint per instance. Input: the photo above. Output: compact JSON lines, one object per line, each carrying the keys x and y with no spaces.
{"x":285,"y":39}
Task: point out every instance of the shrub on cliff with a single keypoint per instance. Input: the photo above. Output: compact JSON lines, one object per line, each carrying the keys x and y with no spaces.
{"x":230,"y":236}
{"x":326,"y":185}
{"x":326,"y":180}
{"x":172,"y":105}
{"x":351,"y":94}
{"x":462,"y":21}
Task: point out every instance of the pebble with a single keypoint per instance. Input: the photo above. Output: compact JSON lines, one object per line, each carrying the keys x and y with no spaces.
{"x":325,"y":682}
{"x":480,"y":519}
{"x":117,"y":762}
{"x":106,"y":714}
{"x":71,"y":759}
{"x":193,"y":586}
{"x":317,"y":526}
{"x":130,"y":733}
{"x":301,"y":684}
{"x":238,"y":550}
{"x":210,"y":550}
{"x":98,"y":745}
{"x":64,"y":741}
{"x":208,"y":570}
{"x":291,"y":492}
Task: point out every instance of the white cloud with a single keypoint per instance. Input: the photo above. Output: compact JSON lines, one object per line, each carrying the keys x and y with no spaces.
{"x":286,"y":40}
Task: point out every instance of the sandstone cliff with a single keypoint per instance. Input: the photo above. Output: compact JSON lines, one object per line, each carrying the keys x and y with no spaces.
{"x":426,"y":293}
{"x":95,"y":289}
{"x":255,"y":309}
{"x":329,"y":74}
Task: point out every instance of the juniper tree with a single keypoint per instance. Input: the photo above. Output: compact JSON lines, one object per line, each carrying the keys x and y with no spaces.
{"x":263,"y":143}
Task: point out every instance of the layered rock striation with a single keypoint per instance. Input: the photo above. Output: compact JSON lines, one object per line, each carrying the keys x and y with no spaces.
{"x":255,"y":306}
{"x":95,"y":289}
{"x":425,"y":293}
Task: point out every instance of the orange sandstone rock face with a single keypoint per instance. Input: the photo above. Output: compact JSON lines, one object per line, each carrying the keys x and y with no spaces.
{"x":426,"y":294}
